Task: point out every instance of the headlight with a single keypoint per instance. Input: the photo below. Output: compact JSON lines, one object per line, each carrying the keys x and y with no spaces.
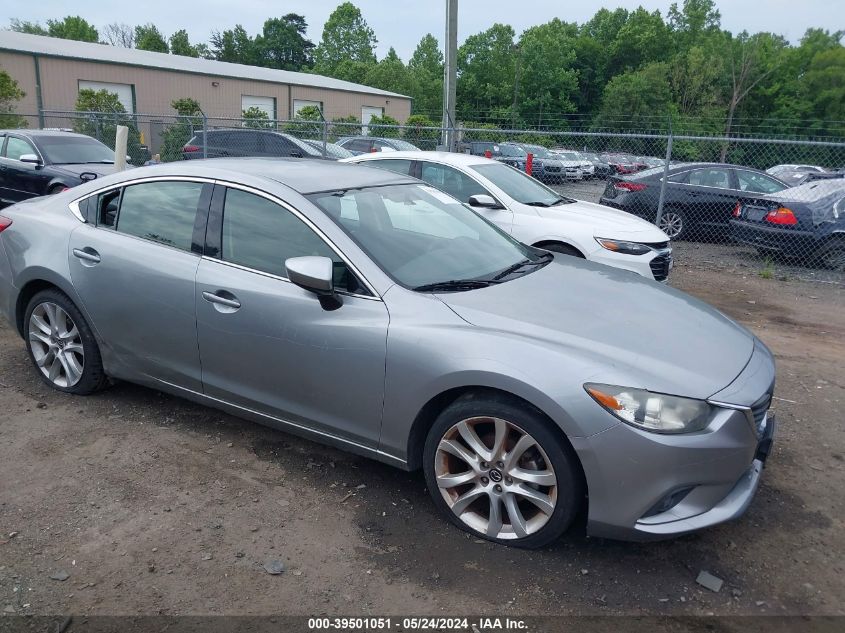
{"x":626,"y":248}
{"x":655,"y":412}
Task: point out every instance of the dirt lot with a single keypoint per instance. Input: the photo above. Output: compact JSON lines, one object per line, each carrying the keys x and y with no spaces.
{"x":153,"y":505}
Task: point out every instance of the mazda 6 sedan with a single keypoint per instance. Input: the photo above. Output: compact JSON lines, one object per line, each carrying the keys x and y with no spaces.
{"x":368,"y":310}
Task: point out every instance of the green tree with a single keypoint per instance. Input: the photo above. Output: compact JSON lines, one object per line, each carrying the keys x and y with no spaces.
{"x":72,"y":27}
{"x":426,"y":69}
{"x":348,"y":125}
{"x":308,"y":123}
{"x":282,"y":43}
{"x":632,"y":99}
{"x":548,"y":82}
{"x":417,"y":132}
{"x":234,"y":46}
{"x":100,"y":112}
{"x":825,"y":82}
{"x":390,"y":74}
{"x":10,"y":93}
{"x":346,"y":38}
{"x":694,"y":21}
{"x":180,"y":44}
{"x":642,"y":39}
{"x":176,"y":136}
{"x":487,"y":73}
{"x":149,"y":38}
{"x":256,"y":118}
{"x":376,"y":129}
{"x":119,"y":34}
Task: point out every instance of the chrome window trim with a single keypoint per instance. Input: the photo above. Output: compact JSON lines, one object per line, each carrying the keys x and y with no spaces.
{"x":248,"y":189}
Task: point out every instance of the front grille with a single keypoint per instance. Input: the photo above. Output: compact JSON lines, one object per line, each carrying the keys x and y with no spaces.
{"x":660,"y":267}
{"x":658,"y":246}
{"x":552,"y":168}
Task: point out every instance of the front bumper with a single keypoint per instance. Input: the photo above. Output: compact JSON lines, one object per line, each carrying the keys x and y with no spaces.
{"x":646,"y":486}
{"x":656,"y":265}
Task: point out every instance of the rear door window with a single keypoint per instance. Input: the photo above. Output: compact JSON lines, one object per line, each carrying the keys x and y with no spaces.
{"x":448,"y":179}
{"x":17,"y":147}
{"x":711,"y":177}
{"x":398,"y":166}
{"x":162,"y":212}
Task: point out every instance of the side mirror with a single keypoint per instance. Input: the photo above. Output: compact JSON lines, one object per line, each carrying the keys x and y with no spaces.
{"x":30,"y":158}
{"x":484,"y":201}
{"x":315,"y":274}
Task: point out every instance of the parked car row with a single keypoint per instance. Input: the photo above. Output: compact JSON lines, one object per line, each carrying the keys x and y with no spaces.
{"x":367,"y":309}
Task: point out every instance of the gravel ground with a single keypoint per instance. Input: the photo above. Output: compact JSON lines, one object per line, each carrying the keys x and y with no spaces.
{"x":148,"y":504}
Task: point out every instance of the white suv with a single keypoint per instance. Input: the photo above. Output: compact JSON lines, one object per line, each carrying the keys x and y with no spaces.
{"x":535,"y":214}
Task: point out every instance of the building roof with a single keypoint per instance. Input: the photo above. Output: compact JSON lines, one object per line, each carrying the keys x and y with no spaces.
{"x":87,"y":51}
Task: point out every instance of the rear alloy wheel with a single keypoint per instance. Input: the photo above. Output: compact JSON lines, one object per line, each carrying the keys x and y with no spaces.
{"x":672,"y":223}
{"x":61,"y":344}
{"x":498,"y":471}
{"x":832,"y":256}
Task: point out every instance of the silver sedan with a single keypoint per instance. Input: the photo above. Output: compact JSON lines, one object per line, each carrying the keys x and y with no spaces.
{"x":369,"y":311}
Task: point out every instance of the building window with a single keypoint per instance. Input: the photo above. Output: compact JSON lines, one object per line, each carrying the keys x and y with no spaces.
{"x":266,"y":104}
{"x":124,"y":92}
{"x":298,"y":104}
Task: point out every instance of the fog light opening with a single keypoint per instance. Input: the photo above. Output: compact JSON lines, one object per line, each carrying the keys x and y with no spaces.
{"x":668,"y":502}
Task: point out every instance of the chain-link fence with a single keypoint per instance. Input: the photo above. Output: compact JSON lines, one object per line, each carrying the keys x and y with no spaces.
{"x":775,"y":205}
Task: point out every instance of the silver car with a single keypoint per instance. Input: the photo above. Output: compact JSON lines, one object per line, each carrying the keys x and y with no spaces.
{"x":372,"y":312}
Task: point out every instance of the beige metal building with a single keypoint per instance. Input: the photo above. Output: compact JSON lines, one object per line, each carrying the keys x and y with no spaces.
{"x":52,"y":71}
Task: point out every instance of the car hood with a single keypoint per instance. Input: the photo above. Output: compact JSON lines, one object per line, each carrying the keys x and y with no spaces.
{"x":75,"y":169}
{"x":605,"y":221}
{"x":622,"y":328}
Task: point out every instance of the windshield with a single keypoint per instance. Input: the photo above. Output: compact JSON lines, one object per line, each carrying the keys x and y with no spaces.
{"x":519,"y":186}
{"x":67,"y":150}
{"x":512,"y":150}
{"x":420,"y":236}
{"x":569,"y":155}
{"x":538,"y":151}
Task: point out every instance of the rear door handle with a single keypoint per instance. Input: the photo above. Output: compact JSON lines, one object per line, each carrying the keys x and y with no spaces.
{"x":87,"y":254}
{"x":223,"y":301}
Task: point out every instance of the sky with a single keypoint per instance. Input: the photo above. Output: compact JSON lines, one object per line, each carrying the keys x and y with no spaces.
{"x":401,"y":24}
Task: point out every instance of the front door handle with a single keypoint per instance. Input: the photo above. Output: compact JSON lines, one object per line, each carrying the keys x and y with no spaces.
{"x":87,"y":254}
{"x":229,"y":302}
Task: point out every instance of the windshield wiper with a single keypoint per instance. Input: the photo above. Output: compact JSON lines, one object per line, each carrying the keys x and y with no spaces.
{"x":454,"y":285}
{"x":542,"y":259}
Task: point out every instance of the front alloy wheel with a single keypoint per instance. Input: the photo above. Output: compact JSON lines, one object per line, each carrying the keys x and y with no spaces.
{"x":56,"y":345}
{"x":671,"y":223}
{"x":500,"y":469}
{"x":496,"y":478}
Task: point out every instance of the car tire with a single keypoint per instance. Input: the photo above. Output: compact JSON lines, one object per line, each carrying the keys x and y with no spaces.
{"x":831,"y":256}
{"x":563,"y":249}
{"x":518,"y":464}
{"x":61,"y":345}
{"x":674,"y":223}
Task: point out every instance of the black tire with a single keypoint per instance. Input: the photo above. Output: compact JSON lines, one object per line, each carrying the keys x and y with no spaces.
{"x":563,"y":249}
{"x":831,"y":256}
{"x":675,"y":224}
{"x":561,"y":457}
{"x":93,"y":377}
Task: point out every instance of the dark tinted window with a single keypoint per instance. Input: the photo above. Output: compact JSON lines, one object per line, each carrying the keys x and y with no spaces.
{"x":162,"y":212}
{"x":75,"y":149}
{"x":260,"y":234}
{"x":235,"y":141}
{"x":711,"y":177}
{"x":359,"y":145}
{"x":278,"y":145}
{"x":106,"y":208}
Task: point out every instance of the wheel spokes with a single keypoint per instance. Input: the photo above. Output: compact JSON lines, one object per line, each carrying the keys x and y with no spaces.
{"x":450,"y":481}
{"x":539,"y":499}
{"x":518,"y":524}
{"x":469,"y":436}
{"x":464,"y":501}
{"x":56,"y":344}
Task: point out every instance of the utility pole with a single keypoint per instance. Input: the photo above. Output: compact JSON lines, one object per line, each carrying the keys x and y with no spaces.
{"x":450,"y":75}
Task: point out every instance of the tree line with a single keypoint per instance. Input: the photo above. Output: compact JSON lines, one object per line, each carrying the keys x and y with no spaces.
{"x":621,"y":70}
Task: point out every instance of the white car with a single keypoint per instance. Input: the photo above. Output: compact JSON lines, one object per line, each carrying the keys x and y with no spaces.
{"x":535,"y":214}
{"x":588,"y":170}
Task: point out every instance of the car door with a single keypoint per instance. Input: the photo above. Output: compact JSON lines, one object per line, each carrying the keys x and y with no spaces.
{"x":134,"y":266}
{"x":461,"y":186}
{"x":710,"y":196}
{"x":268,"y":345}
{"x":21,"y":180}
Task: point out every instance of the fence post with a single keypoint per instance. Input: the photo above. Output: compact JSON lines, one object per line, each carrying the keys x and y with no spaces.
{"x":665,"y":176}
{"x":204,"y":135}
{"x":325,"y":135}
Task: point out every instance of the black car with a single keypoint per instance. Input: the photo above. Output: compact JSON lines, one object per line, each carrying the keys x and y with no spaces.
{"x":807,"y":222}
{"x":248,"y":142}
{"x":42,"y":162}
{"x":700,"y":197}
{"x":366,"y":144}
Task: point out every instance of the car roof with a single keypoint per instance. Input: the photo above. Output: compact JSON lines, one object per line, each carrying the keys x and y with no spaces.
{"x":449,"y":158}
{"x":303,"y":176}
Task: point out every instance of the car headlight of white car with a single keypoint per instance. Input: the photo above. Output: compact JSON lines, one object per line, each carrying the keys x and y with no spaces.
{"x":656,"y":412}
{"x":625,"y":248}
